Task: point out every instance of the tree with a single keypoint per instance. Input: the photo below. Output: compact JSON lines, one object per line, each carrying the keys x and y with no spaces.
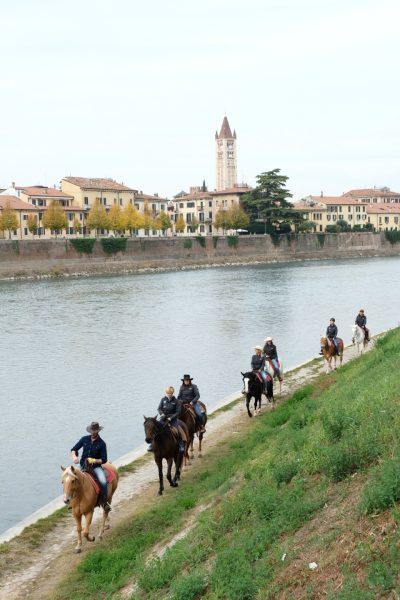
{"x":147,"y":218}
{"x":55,"y":218}
{"x":306,"y":226}
{"x":163,"y":222}
{"x":194,"y":223}
{"x":8,"y":220}
{"x":222,"y":219}
{"x":116,"y":220}
{"x":237,"y":217}
{"x":332,"y":229}
{"x":97,"y":218}
{"x":31,"y":224}
{"x":180,"y":224}
{"x":343,"y":225}
{"x":77,"y":225}
{"x":132,"y":218}
{"x":269,"y":201}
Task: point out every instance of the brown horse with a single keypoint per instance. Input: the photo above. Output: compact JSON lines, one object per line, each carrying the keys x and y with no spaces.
{"x":188,"y":416}
{"x":81,"y":496}
{"x":329,"y":351}
{"x":159,"y":434}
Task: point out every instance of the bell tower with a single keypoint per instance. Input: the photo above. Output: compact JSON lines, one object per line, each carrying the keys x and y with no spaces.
{"x":225,"y":153}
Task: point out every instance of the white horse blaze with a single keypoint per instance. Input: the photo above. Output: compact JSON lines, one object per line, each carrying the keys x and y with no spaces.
{"x":246,"y":384}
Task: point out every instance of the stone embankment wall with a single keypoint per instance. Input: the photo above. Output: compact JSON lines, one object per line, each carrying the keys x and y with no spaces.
{"x":36,"y":258}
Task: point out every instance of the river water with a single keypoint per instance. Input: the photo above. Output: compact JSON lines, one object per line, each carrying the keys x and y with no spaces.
{"x":104,"y":348}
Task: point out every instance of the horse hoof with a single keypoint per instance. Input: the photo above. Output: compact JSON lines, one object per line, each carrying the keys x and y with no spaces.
{"x":91,"y":538}
{"x":191,"y":456}
{"x":200,"y":455}
{"x":78,"y":550}
{"x":160,"y":493}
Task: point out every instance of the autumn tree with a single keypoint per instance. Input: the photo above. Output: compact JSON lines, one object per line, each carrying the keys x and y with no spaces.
{"x":133,"y":219}
{"x":237,"y":218}
{"x":180,"y":224}
{"x":116,"y":219}
{"x":8,"y":220}
{"x":194,"y":223}
{"x":147,"y":218}
{"x":31,"y":224}
{"x":55,"y":218}
{"x":97,"y":218}
{"x":77,"y":225}
{"x":163,"y":222}
{"x":222,"y":219}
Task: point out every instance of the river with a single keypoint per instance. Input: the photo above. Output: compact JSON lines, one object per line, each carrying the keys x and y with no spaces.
{"x":104,"y":348}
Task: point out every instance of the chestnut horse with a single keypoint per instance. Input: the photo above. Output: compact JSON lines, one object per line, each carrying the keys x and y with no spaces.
{"x":159,"y":434}
{"x":188,"y":416}
{"x":81,"y":496}
{"x":329,"y":351}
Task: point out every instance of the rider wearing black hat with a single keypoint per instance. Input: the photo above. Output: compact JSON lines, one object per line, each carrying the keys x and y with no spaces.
{"x":189,"y":394}
{"x":94,"y":454}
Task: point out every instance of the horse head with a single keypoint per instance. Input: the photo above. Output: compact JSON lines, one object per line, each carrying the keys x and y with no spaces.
{"x":70,"y":481}
{"x":151,"y":428}
{"x":324,"y":343}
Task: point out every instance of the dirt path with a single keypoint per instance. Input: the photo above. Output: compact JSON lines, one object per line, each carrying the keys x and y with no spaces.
{"x":34,"y":572}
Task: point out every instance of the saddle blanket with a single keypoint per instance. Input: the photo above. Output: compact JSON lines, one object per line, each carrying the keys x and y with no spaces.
{"x":110,"y":475}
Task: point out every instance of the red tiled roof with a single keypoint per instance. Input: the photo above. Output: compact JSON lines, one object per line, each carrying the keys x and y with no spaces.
{"x":234,"y":190}
{"x":151,"y":197}
{"x":94,"y":183}
{"x":331,"y":200}
{"x":15,"y":203}
{"x":44,"y":192}
{"x":383,"y":207}
{"x":371,"y":193}
{"x":306,"y":206}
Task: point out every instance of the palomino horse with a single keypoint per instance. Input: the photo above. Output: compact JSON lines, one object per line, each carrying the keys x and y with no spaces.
{"x":254,"y":388}
{"x":359,"y":338}
{"x":81,"y":496}
{"x":188,"y":416}
{"x":270,"y":369}
{"x":329,"y":351}
{"x":164,"y":444}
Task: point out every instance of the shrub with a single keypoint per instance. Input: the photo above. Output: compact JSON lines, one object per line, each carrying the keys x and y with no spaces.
{"x":321,"y":239}
{"x":188,"y":588}
{"x":187,"y":244}
{"x":113,"y":245}
{"x":332,"y":229}
{"x":200,"y":239}
{"x":233,"y":240}
{"x":285,"y":470}
{"x":383,"y":489}
{"x":83,"y":245}
{"x":275,"y":239}
{"x":392,"y":236}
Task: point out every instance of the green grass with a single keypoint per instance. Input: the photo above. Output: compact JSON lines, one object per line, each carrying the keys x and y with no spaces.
{"x":263,"y":486}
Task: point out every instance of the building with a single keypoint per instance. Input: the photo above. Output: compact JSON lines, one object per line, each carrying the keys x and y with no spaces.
{"x":226,"y":159}
{"x":384,"y":216}
{"x":328,"y":210}
{"x":374,"y":195}
{"x":23,"y":210}
{"x":40,"y":195}
{"x":88,"y":191}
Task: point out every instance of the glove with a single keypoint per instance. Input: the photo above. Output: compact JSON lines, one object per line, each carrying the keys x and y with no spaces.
{"x":91,"y":461}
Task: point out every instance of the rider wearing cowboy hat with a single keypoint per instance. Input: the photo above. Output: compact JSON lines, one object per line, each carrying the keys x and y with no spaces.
{"x":271,"y":355}
{"x":94,"y":453}
{"x":258,"y":363}
{"x":189,"y":394}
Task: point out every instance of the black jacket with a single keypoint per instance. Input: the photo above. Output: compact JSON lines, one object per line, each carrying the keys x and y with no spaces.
{"x":361,"y":320}
{"x":189,"y":393}
{"x":270,"y":351}
{"x":170,"y":407}
{"x":331,"y":331}
{"x":257,"y":362}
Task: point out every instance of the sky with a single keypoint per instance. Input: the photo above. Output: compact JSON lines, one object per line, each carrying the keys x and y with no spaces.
{"x":136,"y":90}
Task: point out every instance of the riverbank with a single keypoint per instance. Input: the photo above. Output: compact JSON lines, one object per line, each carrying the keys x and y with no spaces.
{"x":33,"y":259}
{"x":34,"y":563}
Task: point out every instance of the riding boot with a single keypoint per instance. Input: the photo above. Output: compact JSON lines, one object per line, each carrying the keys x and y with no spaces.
{"x":202,"y":425}
{"x":150,"y":448}
{"x":104,"y":503}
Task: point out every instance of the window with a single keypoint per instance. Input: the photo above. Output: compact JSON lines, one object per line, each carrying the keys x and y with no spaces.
{"x":181,"y":205}
{"x":210,"y":204}
{"x":201,"y":217}
{"x":210,"y":215}
{"x":350,"y":217}
{"x":70,"y":216}
{"x":154,"y":207}
{"x":188,"y":217}
{"x":210,"y":229}
{"x":85,"y":200}
{"x":25,"y":217}
{"x":201,"y":228}
{"x":25,"y":231}
{"x":190,"y":204}
{"x":34,"y":202}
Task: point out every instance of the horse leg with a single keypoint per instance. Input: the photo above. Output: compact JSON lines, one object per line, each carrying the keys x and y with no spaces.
{"x":160,"y":476}
{"x":200,"y":440}
{"x":88,"y":520}
{"x":169,"y":469}
{"x":103,"y":524}
{"x":191,"y":448}
{"x":178,"y":463}
{"x":247,"y":406}
{"x":78,"y":520}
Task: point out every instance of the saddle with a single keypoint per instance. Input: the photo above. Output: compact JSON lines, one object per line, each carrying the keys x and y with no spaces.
{"x":110,"y":476}
{"x":258,"y":375}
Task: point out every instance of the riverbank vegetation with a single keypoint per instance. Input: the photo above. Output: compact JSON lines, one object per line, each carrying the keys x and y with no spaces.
{"x":315,"y":481}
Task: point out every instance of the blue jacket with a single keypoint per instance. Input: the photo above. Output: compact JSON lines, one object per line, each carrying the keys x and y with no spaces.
{"x":331,"y":331}
{"x":170,"y":407}
{"x":361,"y":320}
{"x":257,"y":362}
{"x":91,"y":449}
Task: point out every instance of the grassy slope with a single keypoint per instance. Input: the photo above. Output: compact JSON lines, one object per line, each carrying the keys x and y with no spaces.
{"x":315,"y":480}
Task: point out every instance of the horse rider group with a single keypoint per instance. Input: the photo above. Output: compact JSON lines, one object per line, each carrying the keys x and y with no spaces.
{"x":263,"y":355}
{"x":94,"y":448}
{"x":332,"y":330}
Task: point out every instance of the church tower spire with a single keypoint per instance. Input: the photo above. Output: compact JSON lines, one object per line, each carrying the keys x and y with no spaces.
{"x":226,"y":163}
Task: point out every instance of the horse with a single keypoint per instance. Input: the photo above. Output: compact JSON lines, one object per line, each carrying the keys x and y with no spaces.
{"x":329,"y":351}
{"x":159,"y":434}
{"x":188,"y":416}
{"x":359,"y":338}
{"x":81,"y":496}
{"x":254,"y":388}
{"x":270,"y":369}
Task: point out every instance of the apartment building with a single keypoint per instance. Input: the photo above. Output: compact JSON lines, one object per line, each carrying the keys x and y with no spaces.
{"x":88,"y":191}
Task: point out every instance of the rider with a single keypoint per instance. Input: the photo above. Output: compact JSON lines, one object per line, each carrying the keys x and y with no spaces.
{"x":258,"y":364}
{"x":271,"y":354}
{"x":189,"y":394}
{"x":170,"y":409}
{"x":94,"y":454}
{"x":331,"y":334}
{"x":361,"y":321}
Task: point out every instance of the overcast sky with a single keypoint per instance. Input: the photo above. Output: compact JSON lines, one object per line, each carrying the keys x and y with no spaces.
{"x":135,"y":91}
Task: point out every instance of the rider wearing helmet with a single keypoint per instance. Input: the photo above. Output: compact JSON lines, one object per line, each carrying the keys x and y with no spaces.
{"x":361,"y":321}
{"x":271,"y":355}
{"x":94,"y":454}
{"x":331,"y":333}
{"x":258,"y":364}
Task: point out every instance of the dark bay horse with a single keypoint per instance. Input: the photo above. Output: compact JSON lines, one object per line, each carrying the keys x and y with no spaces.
{"x":254,"y":388}
{"x":188,"y":416}
{"x":81,"y":496}
{"x":159,"y":434}
{"x":329,"y":351}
